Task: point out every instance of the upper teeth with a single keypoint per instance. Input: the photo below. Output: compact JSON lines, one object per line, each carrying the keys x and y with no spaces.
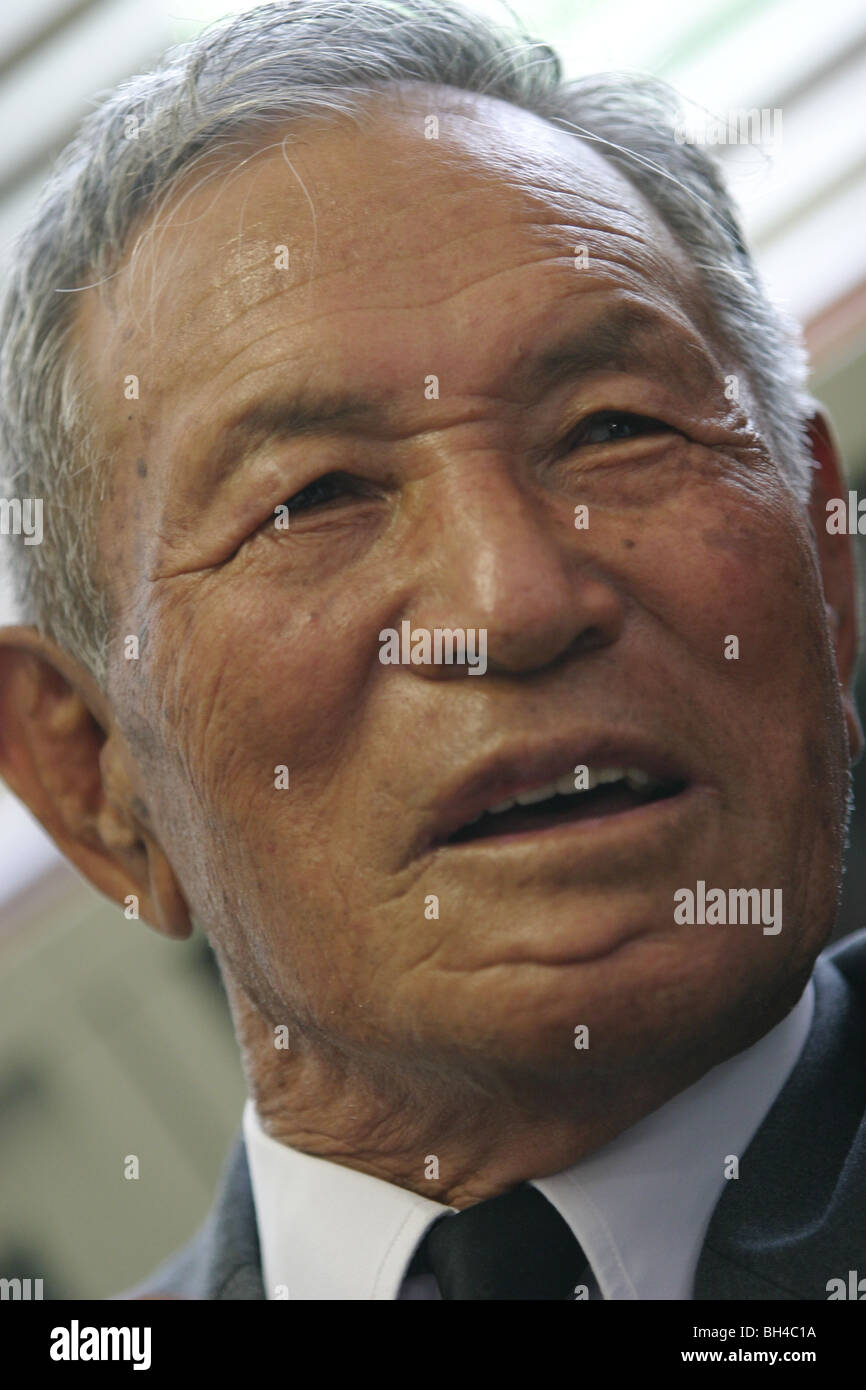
{"x":634,"y":777}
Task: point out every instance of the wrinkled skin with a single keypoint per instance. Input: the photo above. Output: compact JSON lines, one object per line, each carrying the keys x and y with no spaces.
{"x":410,"y":1033}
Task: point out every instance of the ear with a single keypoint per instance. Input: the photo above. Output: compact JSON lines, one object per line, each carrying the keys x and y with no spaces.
{"x":63,"y":755}
{"x":836,"y":560}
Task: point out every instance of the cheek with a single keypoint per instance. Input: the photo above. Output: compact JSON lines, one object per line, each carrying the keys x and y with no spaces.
{"x":740,"y":592}
{"x":253,"y":681}
{"x":738,"y":578}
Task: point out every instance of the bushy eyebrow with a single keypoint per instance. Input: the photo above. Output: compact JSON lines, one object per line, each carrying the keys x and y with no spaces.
{"x":623,"y":341}
{"x":288,"y":417}
{"x":629,"y":338}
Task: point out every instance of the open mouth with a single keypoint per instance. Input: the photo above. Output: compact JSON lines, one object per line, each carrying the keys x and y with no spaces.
{"x":609,"y":792}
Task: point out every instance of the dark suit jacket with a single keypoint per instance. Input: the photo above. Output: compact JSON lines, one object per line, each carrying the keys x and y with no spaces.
{"x":794,"y":1219}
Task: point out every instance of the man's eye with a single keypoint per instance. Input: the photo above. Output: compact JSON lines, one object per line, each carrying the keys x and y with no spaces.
{"x":610,"y":426}
{"x":321,"y":491}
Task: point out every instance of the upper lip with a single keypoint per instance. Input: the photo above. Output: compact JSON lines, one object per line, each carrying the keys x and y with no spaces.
{"x":515,"y":770}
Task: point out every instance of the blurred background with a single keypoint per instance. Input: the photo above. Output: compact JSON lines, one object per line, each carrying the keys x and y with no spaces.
{"x":114,"y":1042}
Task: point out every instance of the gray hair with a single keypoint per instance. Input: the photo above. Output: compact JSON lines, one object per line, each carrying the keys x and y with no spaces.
{"x":261,"y":69}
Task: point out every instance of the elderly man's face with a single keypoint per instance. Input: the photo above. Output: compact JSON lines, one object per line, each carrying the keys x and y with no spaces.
{"x":576,"y":367}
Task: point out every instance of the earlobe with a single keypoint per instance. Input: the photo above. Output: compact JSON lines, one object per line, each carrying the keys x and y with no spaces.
{"x":170,"y":912}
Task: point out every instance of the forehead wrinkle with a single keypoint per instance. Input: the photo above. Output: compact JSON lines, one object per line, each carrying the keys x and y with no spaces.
{"x":146,"y":239}
{"x":502,"y":179}
{"x":448,"y":294}
{"x":510,"y":181}
{"x":155,"y":224}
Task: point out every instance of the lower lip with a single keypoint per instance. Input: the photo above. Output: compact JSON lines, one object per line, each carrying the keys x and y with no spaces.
{"x":592,"y":831}
{"x":624,"y":850}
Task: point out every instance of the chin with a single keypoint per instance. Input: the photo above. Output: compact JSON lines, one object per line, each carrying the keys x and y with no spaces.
{"x":659,"y":1003}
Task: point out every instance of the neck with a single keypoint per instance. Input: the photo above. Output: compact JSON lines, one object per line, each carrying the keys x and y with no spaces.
{"x":457,"y":1140}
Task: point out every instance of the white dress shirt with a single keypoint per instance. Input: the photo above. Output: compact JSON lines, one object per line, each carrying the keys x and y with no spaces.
{"x":640,"y":1206}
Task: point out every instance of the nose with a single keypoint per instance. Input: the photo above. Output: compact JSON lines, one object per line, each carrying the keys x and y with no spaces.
{"x":506,"y":558}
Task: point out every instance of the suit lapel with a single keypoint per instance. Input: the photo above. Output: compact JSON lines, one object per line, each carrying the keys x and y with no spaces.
{"x":234,"y":1260}
{"x":793,"y":1219}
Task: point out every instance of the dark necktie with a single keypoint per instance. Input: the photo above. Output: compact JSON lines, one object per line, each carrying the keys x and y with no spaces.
{"x":514,"y":1246}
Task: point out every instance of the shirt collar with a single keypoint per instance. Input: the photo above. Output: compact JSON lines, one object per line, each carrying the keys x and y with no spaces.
{"x":327,"y":1231}
{"x":640,"y":1206}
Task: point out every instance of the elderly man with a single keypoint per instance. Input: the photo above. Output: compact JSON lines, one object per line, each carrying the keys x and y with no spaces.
{"x":348,"y":327}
